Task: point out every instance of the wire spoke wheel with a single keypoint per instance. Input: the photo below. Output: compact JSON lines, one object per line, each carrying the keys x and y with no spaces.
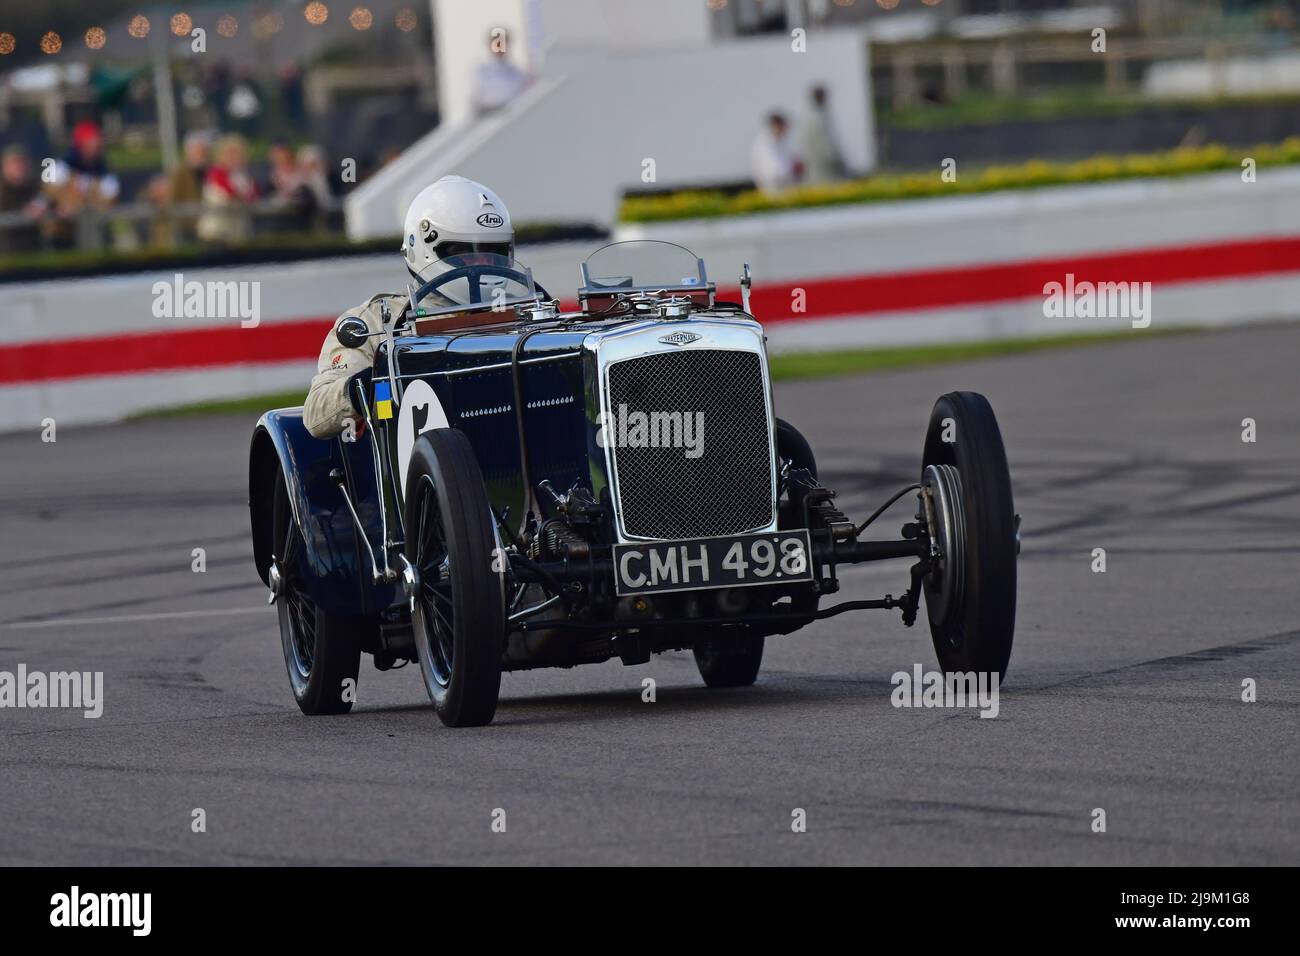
{"x":458,"y":618}
{"x":434,"y":600}
{"x":970,"y":592}
{"x":299,"y":609}
{"x":321,"y":650}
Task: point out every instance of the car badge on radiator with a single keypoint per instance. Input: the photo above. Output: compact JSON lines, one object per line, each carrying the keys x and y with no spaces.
{"x":678,"y":338}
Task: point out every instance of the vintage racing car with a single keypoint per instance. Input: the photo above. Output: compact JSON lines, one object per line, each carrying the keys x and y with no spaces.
{"x":538,"y":488}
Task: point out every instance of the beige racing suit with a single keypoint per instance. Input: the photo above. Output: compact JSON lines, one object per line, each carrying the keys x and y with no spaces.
{"x":328,"y":406}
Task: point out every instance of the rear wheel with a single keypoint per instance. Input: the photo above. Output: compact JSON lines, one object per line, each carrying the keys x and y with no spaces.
{"x":970,"y":597}
{"x":321,"y":651}
{"x":791,"y":446}
{"x":734,"y":660}
{"x":459,"y":616}
{"x":729,"y":661}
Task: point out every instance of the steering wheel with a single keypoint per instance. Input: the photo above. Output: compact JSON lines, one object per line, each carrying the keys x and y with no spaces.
{"x":474,"y":275}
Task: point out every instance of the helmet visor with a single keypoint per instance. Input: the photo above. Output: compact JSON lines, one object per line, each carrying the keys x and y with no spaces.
{"x":450,"y":248}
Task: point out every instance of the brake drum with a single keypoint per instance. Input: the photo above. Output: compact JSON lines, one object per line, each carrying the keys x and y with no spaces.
{"x":946,"y":517}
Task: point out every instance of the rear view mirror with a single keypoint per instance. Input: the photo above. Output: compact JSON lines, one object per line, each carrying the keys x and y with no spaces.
{"x":351,"y":332}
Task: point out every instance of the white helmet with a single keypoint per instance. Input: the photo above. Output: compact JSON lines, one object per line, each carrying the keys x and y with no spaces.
{"x":453,"y":217}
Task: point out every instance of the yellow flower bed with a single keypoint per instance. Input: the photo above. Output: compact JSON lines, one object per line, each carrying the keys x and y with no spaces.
{"x":707,"y":204}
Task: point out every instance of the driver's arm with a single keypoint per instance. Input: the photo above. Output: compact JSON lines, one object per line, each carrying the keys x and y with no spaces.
{"x":329,"y":405}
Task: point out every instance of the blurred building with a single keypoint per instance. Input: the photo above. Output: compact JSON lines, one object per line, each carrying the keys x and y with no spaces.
{"x":590,"y":90}
{"x":623,"y":96}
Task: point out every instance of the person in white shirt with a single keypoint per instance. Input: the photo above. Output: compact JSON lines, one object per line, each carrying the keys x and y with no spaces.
{"x":776,"y":165}
{"x":498,"y":81}
{"x":818,"y":144}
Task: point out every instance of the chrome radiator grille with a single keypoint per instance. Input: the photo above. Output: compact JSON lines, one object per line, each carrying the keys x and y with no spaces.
{"x":662,"y":493}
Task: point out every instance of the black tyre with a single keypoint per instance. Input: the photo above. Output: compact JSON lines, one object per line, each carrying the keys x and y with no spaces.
{"x":973,"y":613}
{"x":459,"y":617}
{"x":794,"y":448}
{"x":322,"y":651}
{"x":791,"y":444}
{"x":729,"y":661}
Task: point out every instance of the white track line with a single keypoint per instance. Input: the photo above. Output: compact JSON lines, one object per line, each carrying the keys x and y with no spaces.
{"x":164,"y":616}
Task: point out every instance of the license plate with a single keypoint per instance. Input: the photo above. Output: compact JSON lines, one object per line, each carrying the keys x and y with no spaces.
{"x":693,"y":564}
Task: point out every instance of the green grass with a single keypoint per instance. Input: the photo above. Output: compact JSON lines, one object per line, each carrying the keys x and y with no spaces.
{"x":798,"y":365}
{"x":252,"y":405}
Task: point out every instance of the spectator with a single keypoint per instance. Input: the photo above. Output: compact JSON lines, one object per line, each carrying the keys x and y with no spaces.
{"x":162,"y":225}
{"x":776,"y":167}
{"x":300,"y":188}
{"x":281,"y":174}
{"x":21,"y":204}
{"x":244,"y":106}
{"x":82,"y":182}
{"x":228,"y":189}
{"x":315,"y":184}
{"x":498,"y":81}
{"x":187,"y":179}
{"x":185,"y":186}
{"x":287,"y":195}
{"x":284,"y":190}
{"x":818,"y":144}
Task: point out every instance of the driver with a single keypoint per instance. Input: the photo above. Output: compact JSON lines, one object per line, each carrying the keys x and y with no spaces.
{"x":453,"y":217}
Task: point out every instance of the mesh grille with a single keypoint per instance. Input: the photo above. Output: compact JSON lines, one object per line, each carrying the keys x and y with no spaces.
{"x":727,"y":489}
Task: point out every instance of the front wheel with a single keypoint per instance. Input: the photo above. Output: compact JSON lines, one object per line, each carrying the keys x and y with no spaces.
{"x":970,"y":595}
{"x":459,"y":616}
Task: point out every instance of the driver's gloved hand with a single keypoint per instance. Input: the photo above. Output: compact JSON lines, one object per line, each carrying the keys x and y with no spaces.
{"x":358,"y":401}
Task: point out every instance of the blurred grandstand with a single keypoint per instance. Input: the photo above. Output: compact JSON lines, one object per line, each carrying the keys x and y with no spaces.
{"x":897,"y":172}
{"x":300,"y":86}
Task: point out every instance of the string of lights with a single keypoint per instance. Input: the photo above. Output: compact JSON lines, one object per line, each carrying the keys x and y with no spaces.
{"x":181,"y":24}
{"x":270,"y":23}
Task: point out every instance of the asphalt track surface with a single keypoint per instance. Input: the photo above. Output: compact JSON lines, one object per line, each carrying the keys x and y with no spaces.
{"x":1124,"y":691}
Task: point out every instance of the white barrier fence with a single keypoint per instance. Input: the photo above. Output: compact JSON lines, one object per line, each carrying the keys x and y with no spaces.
{"x":1215,"y":250}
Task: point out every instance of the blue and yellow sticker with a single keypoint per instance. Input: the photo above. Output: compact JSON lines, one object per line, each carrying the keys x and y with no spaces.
{"x":383,"y":400}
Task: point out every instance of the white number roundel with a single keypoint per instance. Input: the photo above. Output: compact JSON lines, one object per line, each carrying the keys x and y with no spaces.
{"x":420,"y":412}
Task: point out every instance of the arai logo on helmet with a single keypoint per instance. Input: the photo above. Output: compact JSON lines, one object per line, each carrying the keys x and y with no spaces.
{"x":678,"y":338}
{"x":491,"y":220}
